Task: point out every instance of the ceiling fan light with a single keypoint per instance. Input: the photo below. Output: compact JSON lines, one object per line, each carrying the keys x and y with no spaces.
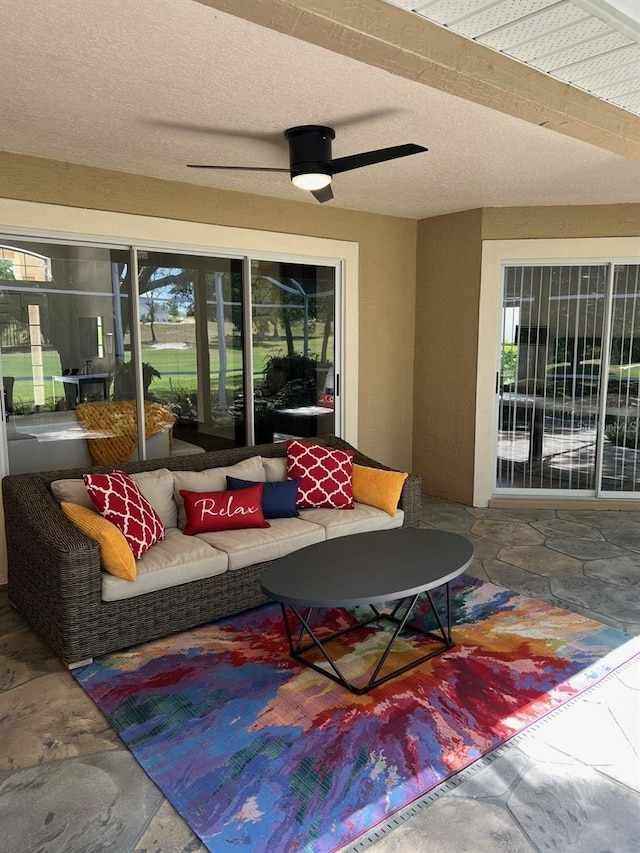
{"x":311,"y":180}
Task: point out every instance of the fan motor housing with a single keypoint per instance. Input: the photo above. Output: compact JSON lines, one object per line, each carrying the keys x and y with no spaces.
{"x":310,"y":149}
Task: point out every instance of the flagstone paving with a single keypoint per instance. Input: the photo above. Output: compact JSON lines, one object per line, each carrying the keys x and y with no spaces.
{"x":568,"y":785}
{"x":540,"y":561}
{"x":623,"y":570}
{"x":586,"y":549}
{"x":560,"y":527}
{"x":507,"y":532}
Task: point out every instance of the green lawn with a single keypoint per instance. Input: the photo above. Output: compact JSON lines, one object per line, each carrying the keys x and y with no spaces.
{"x":176,"y":366}
{"x":631,"y":372}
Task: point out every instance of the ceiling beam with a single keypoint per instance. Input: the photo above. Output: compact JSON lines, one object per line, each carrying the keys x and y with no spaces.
{"x":404,"y":44}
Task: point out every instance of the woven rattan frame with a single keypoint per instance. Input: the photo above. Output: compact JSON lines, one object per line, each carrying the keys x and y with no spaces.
{"x":54,"y":569}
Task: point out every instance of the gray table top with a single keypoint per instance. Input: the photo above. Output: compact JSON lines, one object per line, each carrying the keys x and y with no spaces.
{"x":367,"y":568}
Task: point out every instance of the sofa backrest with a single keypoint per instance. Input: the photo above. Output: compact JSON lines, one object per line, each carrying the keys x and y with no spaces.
{"x":190,"y":462}
{"x":37,"y":485}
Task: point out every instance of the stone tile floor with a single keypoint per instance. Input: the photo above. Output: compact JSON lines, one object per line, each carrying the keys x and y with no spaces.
{"x":67,"y":784}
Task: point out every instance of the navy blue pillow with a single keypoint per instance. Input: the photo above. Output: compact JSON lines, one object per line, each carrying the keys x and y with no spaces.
{"x":278,"y":499}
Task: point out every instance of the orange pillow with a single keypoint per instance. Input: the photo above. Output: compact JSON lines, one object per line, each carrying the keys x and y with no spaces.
{"x":377,"y":487}
{"x":115,"y":553}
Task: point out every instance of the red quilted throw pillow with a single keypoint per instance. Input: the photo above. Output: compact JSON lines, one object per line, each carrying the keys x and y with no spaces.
{"x":209,"y":512}
{"x":121,"y":502}
{"x":324,"y":472}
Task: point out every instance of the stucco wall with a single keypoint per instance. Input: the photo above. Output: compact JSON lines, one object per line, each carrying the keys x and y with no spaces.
{"x":387,"y":247}
{"x":449,"y":256}
{"x":591,"y":220}
{"x":447,"y":300}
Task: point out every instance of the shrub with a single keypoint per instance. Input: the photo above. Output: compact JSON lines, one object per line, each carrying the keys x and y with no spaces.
{"x":623,"y":432}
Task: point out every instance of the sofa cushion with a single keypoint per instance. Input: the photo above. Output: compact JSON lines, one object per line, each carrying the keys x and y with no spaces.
{"x":246,"y":547}
{"x":177,"y":559}
{"x":229,"y":510}
{"x":119,"y":500}
{"x":72,"y":491}
{"x":362,"y":519}
{"x":156,"y":486}
{"x":278,"y":499}
{"x":115,"y":554}
{"x":377,"y":487}
{"x":275,"y":468}
{"x":325,"y":474}
{"x":214,"y":480}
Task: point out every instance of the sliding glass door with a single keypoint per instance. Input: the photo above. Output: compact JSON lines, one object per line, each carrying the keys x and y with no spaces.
{"x":140,"y":353}
{"x":200,"y":327}
{"x":60,"y":310}
{"x":619,"y":469}
{"x":190,"y":341}
{"x":568,"y":385}
{"x":293,"y":349}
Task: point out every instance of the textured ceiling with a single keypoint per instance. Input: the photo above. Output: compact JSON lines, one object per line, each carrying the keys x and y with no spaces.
{"x":149,"y":86}
{"x":590,"y":44}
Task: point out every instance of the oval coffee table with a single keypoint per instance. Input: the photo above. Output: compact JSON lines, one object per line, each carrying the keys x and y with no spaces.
{"x":367,"y":569}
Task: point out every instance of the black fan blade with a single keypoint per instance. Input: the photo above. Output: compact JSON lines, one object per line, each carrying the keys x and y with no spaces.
{"x":368,"y":158}
{"x":238,"y":168}
{"x":325,"y":194}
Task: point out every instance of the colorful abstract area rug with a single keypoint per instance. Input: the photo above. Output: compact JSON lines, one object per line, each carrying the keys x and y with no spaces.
{"x":259,"y":753}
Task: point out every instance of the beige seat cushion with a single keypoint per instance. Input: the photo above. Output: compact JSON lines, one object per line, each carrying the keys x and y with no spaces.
{"x":175,"y":560}
{"x":246,"y":547}
{"x":361,"y":519}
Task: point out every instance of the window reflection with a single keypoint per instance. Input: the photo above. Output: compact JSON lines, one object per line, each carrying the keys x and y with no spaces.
{"x":58,"y":310}
{"x":191,"y":343}
{"x":71,"y":359}
{"x":293,"y":350}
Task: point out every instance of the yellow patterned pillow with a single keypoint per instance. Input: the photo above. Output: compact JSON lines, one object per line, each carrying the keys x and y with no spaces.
{"x":115,"y":553}
{"x":377,"y":487}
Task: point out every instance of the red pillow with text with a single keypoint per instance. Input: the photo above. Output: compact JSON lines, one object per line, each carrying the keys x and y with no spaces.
{"x":209,"y":512}
{"x":120,"y":501}
{"x":324,"y":472}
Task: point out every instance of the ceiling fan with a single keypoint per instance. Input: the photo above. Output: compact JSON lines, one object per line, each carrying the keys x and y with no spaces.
{"x":311,"y":166}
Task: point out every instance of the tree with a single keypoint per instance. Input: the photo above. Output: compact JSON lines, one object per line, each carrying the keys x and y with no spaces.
{"x":152,"y":303}
{"x":174,"y":309}
{"x":6,"y":270}
{"x":265,"y":312}
{"x":182,"y":295}
{"x":160,"y":286}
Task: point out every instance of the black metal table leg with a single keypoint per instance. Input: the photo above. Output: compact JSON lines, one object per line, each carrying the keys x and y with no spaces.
{"x":442,"y":636}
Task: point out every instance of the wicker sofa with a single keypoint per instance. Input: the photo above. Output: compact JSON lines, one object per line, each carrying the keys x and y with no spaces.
{"x":55,"y":571}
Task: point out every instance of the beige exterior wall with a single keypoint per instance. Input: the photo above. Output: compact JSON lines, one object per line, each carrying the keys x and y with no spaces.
{"x":448,"y":293}
{"x":530,"y":223}
{"x":589,"y":231}
{"x":447,"y":372}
